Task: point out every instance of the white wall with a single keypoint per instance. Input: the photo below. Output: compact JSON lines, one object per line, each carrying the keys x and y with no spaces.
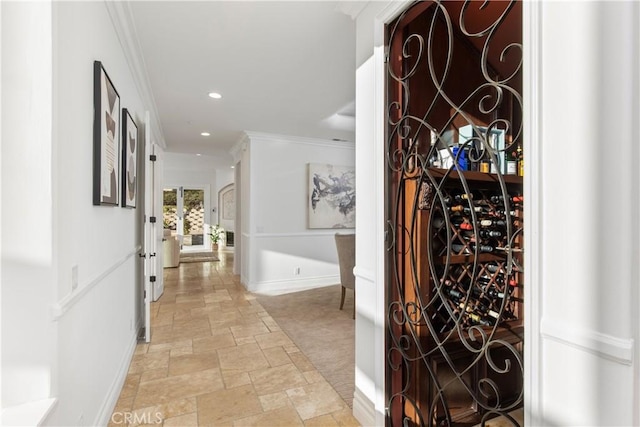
{"x":70,"y":343}
{"x":278,"y":238}
{"x":28,"y":255}
{"x":588,"y":246}
{"x":582,"y":82}
{"x":95,"y":328}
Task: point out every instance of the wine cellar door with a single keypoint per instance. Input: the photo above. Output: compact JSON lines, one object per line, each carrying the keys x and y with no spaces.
{"x":455,"y":273}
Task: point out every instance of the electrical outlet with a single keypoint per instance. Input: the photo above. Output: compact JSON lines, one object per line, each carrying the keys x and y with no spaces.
{"x":74,"y":277}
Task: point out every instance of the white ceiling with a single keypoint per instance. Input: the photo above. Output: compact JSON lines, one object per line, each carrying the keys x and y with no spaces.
{"x":282,"y":67}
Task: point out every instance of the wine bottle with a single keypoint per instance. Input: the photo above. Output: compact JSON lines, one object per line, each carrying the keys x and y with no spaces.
{"x":483,"y":248}
{"x":512,"y":163}
{"x":458,"y":248}
{"x":473,"y":195}
{"x":492,"y":223}
{"x":465,"y":225}
{"x":520,"y":160}
{"x":499,"y":198}
{"x":455,"y":294}
{"x":480,"y":209}
{"x":490,"y":233}
{"x":492,"y":268}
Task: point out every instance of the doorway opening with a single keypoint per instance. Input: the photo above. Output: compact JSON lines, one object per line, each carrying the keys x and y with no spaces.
{"x":185,"y":216}
{"x":454,"y":194}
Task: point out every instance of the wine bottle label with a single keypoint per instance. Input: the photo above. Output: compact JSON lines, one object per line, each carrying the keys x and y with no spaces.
{"x":484,"y":167}
{"x":511,"y":167}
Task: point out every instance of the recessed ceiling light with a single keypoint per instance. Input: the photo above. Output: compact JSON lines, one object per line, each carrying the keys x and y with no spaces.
{"x":198,"y":154}
{"x":205,"y":134}
{"x":215,"y":95}
{"x":233,"y":167}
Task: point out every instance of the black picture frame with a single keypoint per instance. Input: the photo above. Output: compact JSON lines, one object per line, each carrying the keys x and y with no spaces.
{"x":106,"y":138}
{"x":129,"y":144}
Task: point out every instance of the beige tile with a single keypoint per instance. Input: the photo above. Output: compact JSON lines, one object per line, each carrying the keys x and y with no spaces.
{"x":206,"y":310}
{"x":314,"y":400}
{"x":154,"y":374}
{"x":276,"y":356}
{"x":130,"y":386}
{"x":245,"y":340}
{"x":180,"y":351}
{"x":178,"y":407}
{"x":345,"y":418}
{"x":148,"y":361}
{"x":270,"y":323}
{"x":280,"y":378}
{"x":273,"y":339}
{"x":192,"y":363}
{"x":279,"y":417}
{"x":162,"y":319}
{"x":313,"y":377}
{"x":153,"y":348}
{"x":124,"y":404}
{"x":177,"y":387}
{"x":249,"y":330}
{"x":217,"y":297}
{"x":226,"y":405}
{"x":246,"y":358}
{"x":214,"y":342}
{"x":275,"y":401}
{"x":141,"y":348}
{"x":301,"y":362}
{"x":321,"y":421}
{"x":291,"y":349}
{"x":188,"y":420}
{"x":235,"y":378}
{"x":189,"y":298}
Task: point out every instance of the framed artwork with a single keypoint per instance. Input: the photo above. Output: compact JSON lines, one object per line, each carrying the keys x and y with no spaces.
{"x":106,"y":138}
{"x":129,"y":160}
{"x":332,"y":196}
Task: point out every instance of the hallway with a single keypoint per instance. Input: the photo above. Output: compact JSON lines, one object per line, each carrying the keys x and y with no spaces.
{"x":217,"y":358}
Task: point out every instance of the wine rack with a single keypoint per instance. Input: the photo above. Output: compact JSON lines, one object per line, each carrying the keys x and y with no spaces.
{"x":478,"y":268}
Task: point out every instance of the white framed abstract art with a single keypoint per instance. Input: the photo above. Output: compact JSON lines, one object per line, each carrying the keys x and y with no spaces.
{"x":332,"y":196}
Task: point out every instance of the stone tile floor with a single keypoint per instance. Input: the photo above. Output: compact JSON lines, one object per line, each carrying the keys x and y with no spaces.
{"x":216,"y":358}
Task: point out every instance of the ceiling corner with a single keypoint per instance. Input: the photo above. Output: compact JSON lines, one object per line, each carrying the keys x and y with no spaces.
{"x":351,"y":8}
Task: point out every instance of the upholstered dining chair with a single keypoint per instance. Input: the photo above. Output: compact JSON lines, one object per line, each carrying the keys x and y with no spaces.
{"x":346,"y":245}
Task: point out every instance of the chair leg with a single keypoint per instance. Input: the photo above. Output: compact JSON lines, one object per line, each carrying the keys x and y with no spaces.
{"x":342,"y":299}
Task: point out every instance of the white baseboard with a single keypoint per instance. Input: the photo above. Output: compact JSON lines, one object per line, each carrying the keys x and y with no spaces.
{"x":364,"y":409}
{"x":279,"y":287}
{"x":104,"y":415}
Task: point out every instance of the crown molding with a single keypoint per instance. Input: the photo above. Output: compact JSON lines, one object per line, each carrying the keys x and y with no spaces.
{"x":124,"y":25}
{"x":351,"y":8}
{"x":240,"y":146}
{"x":347,"y":145}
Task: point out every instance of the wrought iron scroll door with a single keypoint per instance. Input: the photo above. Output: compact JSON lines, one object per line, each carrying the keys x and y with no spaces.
{"x":454,"y":213}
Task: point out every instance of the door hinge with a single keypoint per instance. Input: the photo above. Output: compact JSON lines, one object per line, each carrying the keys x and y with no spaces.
{"x":152,"y":279}
{"x":145,"y":294}
{"x":153,"y":157}
{"x":152,"y":219}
